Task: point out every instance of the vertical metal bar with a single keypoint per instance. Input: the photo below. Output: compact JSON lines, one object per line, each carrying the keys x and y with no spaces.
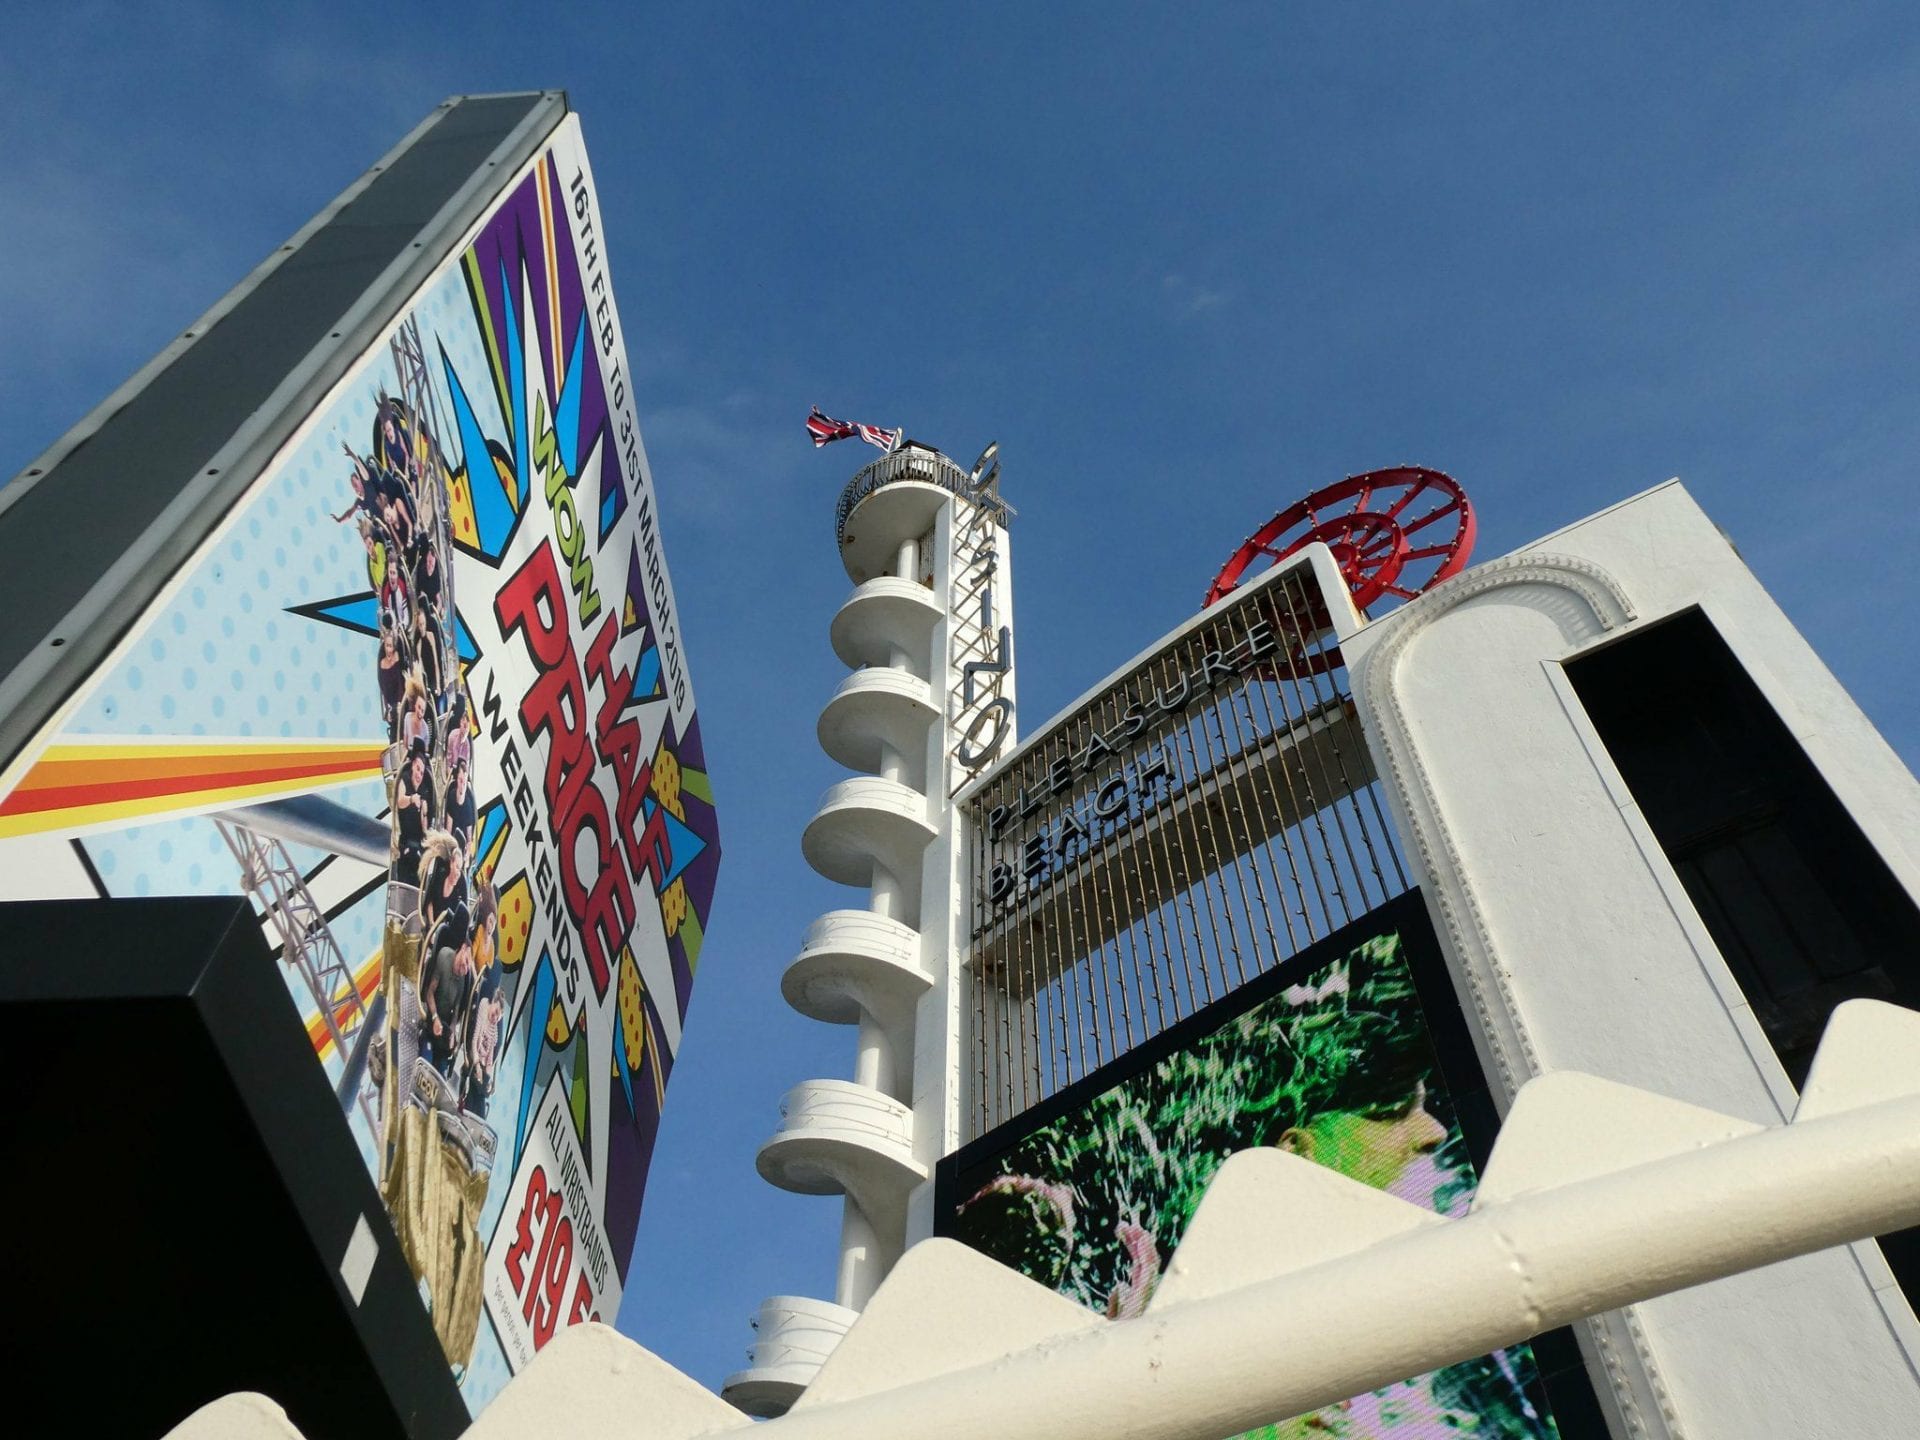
{"x":1123,"y":903}
{"x":1237,"y":768}
{"x":1303,"y":606}
{"x":1195,"y":787}
{"x":1343,"y":692}
{"x":1131,"y":896}
{"x":1062,"y":1011}
{"x":981,"y":980}
{"x":1299,"y":726}
{"x":1267,"y":748}
{"x":1181,"y":802}
{"x":1319,"y":687}
{"x":1271,"y":685}
{"x":1154,"y":841}
{"x":1281,"y":840}
{"x":1088,"y":954}
{"x":1060,"y":963}
{"x":1227,"y":857}
{"x":1043,"y":1056}
{"x":1102,"y":880}
{"x":1149,"y":847}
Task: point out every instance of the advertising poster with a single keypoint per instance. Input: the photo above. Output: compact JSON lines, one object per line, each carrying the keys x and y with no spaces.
{"x":422,"y":697}
{"x":1337,"y":1065}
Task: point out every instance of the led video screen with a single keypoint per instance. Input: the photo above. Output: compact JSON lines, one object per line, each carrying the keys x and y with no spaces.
{"x":1333,"y":1057}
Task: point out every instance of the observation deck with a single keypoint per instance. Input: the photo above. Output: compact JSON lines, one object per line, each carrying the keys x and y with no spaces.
{"x":853,"y":960}
{"x":889,"y":503}
{"x":793,"y":1337}
{"x":884,"y":615}
{"x":840,"y":1138}
{"x":877,"y":708}
{"x":865,"y":968}
{"x":863,"y":821}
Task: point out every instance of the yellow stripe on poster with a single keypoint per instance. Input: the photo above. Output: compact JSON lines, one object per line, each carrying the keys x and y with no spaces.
{"x":553,"y":275}
{"x":180,"y":803}
{"x":364,"y":981}
{"x":119,"y":749}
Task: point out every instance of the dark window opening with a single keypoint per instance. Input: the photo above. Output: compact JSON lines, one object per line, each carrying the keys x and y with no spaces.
{"x":1801,"y":906}
{"x":1799,"y":903}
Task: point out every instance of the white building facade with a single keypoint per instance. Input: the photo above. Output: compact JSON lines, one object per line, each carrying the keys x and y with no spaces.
{"x":1575,"y":944}
{"x":929,"y":701}
{"x":1596,"y":887}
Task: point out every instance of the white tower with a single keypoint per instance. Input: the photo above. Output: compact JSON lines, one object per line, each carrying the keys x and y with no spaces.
{"x":927,"y":634}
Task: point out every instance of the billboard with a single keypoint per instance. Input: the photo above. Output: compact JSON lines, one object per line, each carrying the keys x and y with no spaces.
{"x":1338,"y":1057}
{"x":422,"y":696}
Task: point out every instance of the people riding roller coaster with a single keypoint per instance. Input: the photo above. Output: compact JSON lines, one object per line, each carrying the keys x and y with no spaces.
{"x":393,"y":679}
{"x":443,"y":887}
{"x":459,"y":728}
{"x":440,"y":1045}
{"x":413,"y":810}
{"x":446,"y":986}
{"x":365,"y":502}
{"x":416,"y":723}
{"x":426,"y":653}
{"x":489,"y":1004}
{"x":426,"y":580}
{"x":459,"y":807}
{"x":397,"y":441}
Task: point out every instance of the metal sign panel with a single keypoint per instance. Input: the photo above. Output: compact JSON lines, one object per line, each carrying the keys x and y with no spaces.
{"x":981,"y":715}
{"x":1193,"y":821}
{"x":422,"y":694}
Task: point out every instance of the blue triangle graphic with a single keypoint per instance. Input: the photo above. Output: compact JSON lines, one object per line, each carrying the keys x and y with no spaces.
{"x":516,"y":375}
{"x":566,"y":413}
{"x":535,"y":1046}
{"x":360,"y":613}
{"x":620,"y":1059}
{"x":492,"y":515}
{"x":463,"y":645}
{"x":686,"y":848}
{"x":493,"y":820}
{"x":646,"y":684}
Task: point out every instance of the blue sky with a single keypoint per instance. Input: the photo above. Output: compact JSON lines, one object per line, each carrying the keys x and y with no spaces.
{"x":1185,"y":264}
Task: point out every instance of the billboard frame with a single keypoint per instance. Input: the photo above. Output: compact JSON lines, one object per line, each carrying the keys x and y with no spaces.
{"x":161,"y":461}
{"x":1562,"y":1368}
{"x":194,"y":979}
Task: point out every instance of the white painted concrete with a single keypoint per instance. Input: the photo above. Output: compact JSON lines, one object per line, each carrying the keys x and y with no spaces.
{"x":928,"y":585}
{"x":954,"y":1345}
{"x":884,"y":613}
{"x":243,"y":1416}
{"x":853,"y":961}
{"x":1574,"y":946}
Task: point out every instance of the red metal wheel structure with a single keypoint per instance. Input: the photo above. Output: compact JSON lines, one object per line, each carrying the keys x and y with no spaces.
{"x":1396,"y":532}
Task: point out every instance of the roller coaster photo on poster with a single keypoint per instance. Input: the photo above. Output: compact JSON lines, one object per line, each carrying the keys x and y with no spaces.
{"x":422,"y":696}
{"x":1330,"y":1056}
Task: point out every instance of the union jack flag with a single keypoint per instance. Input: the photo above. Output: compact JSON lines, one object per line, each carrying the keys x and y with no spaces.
{"x":825,"y":431}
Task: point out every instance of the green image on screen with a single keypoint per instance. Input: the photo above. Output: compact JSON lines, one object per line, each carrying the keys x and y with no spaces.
{"x":1339,"y":1068}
